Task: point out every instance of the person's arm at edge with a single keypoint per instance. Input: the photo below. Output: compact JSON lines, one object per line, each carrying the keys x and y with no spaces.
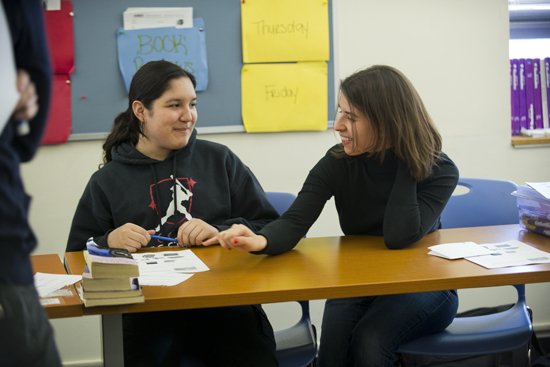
{"x":31,"y":54}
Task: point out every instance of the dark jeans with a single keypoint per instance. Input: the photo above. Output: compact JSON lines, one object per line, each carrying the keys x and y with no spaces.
{"x":223,"y":336}
{"x":26,"y":336}
{"x":365,"y":331}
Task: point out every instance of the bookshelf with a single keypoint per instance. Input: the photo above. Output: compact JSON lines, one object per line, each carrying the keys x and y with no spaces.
{"x":529,"y":142}
{"x":529,"y":38}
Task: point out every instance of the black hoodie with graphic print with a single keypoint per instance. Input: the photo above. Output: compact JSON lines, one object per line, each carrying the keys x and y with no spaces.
{"x":205,"y":179}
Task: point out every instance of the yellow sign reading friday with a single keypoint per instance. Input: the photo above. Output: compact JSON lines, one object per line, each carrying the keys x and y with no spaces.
{"x":284,"y":97}
{"x":285,"y":30}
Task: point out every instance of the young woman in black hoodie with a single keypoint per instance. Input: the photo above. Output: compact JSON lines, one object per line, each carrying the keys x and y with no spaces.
{"x":158,"y":178}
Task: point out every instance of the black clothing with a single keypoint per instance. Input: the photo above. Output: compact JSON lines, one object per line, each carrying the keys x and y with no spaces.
{"x":30,"y":50}
{"x":212,"y":185}
{"x":371,"y":199}
{"x":206,"y":181}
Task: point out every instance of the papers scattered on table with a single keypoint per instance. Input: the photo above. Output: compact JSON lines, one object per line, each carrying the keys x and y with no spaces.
{"x":166,"y":268}
{"x":165,"y":279}
{"x":458,"y":250}
{"x":494,"y":255}
{"x":46,"y":283}
{"x":511,"y":253}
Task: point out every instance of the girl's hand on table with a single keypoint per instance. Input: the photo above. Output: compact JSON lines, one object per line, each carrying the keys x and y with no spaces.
{"x":129,"y":236}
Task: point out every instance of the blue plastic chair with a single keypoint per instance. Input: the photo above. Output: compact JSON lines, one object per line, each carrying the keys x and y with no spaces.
{"x":297,"y":345}
{"x":489,"y":202}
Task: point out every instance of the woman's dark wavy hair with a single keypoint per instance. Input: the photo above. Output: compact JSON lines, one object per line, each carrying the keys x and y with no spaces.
{"x":148,"y":84}
{"x":397,"y":116}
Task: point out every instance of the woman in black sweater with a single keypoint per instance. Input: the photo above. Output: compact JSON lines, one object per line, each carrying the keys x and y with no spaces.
{"x":388,"y":178}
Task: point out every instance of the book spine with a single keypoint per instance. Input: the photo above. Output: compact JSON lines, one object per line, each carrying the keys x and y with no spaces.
{"x":515,"y":97}
{"x":544,"y":93}
{"x":529,"y":93}
{"x":113,"y":260}
{"x":522,"y":103}
{"x":547,"y":74}
{"x":537,"y":96}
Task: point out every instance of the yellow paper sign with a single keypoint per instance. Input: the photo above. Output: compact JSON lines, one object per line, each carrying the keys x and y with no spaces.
{"x":285,"y":30}
{"x":284,"y":97}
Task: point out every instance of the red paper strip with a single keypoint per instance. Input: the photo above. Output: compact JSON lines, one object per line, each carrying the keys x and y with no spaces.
{"x":59,"y":29}
{"x":58,"y":127}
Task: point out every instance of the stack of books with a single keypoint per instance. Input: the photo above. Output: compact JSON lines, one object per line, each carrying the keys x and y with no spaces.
{"x":110,"y":277}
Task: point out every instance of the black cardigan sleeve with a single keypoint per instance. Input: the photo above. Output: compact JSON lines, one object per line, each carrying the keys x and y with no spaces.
{"x":414,"y":209}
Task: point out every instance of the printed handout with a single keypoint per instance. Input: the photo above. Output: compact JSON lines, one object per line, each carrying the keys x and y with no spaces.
{"x":510,"y":253}
{"x":168,"y":268}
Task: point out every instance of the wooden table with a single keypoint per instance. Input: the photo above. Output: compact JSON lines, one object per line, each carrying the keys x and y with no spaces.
{"x":326,"y":267}
{"x":68,"y":306}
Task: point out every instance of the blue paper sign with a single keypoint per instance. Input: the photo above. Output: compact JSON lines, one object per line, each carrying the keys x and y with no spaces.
{"x":185,"y":47}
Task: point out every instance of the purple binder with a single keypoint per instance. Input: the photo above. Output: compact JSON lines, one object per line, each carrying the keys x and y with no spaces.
{"x":515,"y":97}
{"x":547,"y":86}
{"x":537,"y":96}
{"x":522,"y":103}
{"x":514,"y":91}
{"x":529,"y":93}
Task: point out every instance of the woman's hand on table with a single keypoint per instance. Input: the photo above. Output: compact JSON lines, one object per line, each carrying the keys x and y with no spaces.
{"x":239,"y":237}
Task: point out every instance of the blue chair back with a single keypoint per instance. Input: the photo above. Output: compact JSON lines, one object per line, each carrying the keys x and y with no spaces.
{"x":281,"y":201}
{"x":488,"y":203}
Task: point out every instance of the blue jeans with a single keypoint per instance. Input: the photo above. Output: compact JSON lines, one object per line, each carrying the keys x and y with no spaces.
{"x":365,"y":331}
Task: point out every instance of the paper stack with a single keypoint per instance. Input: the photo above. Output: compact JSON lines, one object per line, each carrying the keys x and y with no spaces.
{"x":492,"y":255}
{"x":110,"y":277}
{"x":460,"y":250}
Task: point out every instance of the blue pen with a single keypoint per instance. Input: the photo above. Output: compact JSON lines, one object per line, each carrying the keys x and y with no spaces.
{"x":164,"y":238}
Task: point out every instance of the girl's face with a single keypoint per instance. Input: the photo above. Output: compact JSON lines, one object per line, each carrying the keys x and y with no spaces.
{"x":354,"y":129}
{"x":170,"y":121}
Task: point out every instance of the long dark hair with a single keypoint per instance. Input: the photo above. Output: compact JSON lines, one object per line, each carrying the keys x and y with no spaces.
{"x":397,"y":116}
{"x":148,"y":84}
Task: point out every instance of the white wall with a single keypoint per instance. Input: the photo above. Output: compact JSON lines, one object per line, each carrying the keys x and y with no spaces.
{"x":456,"y":54}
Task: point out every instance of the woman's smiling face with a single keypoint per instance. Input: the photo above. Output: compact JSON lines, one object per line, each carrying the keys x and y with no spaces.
{"x":169,"y":122}
{"x":355,"y":130}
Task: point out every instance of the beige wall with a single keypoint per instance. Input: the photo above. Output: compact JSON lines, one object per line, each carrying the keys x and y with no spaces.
{"x":456,"y":54}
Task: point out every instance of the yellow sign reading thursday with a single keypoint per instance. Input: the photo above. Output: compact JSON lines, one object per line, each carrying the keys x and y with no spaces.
{"x":285,"y":30}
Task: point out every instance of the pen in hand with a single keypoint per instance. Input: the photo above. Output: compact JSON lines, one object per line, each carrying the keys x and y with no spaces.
{"x":166,"y":239}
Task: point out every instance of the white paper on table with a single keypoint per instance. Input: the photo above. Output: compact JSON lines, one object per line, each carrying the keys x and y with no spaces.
{"x":511,"y":253}
{"x":458,"y":250}
{"x":46,"y":283}
{"x":8,"y":88}
{"x":184,"y":261}
{"x":49,"y":301}
{"x":165,"y":279}
{"x":542,"y":188}
{"x":143,"y":18}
